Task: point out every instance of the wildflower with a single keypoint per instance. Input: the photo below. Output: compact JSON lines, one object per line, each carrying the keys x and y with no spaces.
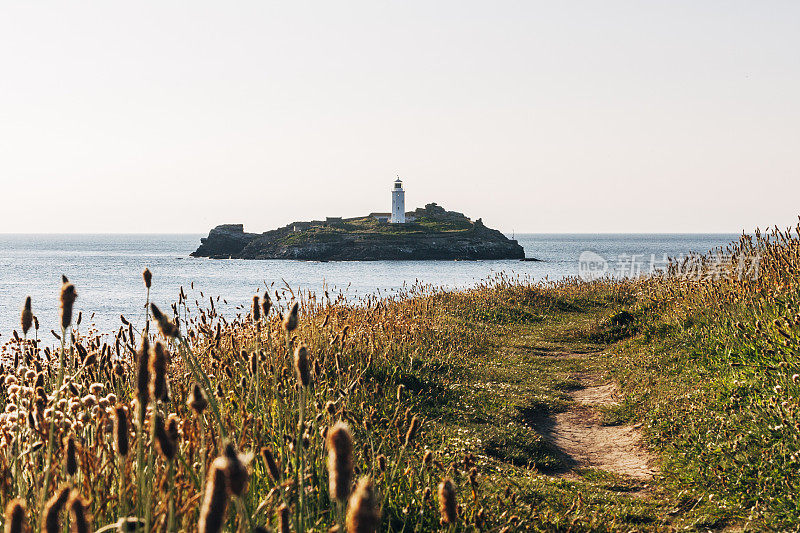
{"x":363,"y":515}
{"x":340,"y":461}
{"x":26,"y":319}
{"x":447,"y":501}
{"x":68,"y":296}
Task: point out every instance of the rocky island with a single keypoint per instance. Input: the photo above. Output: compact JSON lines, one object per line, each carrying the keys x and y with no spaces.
{"x":427,"y":233}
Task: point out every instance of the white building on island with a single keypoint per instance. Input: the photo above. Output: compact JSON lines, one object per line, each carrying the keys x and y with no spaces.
{"x":398,"y":203}
{"x":398,"y":214}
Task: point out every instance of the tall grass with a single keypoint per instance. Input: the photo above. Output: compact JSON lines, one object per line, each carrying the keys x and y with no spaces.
{"x":715,"y":372}
{"x":195,"y":421}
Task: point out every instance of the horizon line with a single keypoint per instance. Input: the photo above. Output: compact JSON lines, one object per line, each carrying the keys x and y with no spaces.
{"x":67,"y":233}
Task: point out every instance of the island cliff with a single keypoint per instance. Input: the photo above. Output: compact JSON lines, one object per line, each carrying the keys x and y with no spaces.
{"x":429,"y":233}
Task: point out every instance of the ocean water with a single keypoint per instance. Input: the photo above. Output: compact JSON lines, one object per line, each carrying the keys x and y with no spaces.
{"x":106,"y":270}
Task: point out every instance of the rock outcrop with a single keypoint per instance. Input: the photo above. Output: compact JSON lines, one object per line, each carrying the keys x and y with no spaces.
{"x":433,"y":234}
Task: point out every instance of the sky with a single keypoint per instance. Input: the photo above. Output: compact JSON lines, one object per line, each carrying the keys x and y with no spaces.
{"x":537,"y":116}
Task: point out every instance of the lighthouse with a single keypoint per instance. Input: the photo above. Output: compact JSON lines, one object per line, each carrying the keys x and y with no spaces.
{"x":398,"y":203}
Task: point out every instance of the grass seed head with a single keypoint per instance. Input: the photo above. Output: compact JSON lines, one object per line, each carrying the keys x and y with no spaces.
{"x":427,"y":459}
{"x":256,"y":309}
{"x":121,"y":430}
{"x":340,"y":461}
{"x":197,"y":399}
{"x":164,"y":442}
{"x":363,"y":515}
{"x":53,"y":508}
{"x":448,"y":508}
{"x":272,"y":465}
{"x":266,"y":303}
{"x":238,"y":473}
{"x":173,"y":423}
{"x":68,"y":296}
{"x":283,"y":519}
{"x":157,"y":367}
{"x":71,"y":456}
{"x":79,"y":522}
{"x":216,"y":498}
{"x":167,"y":327}
{"x":290,"y":321}
{"x":253,"y":363}
{"x":26,"y":319}
{"x":413,"y":427}
{"x":15,"y":516}
{"x":382,"y":463}
{"x":143,"y":375}
{"x":147,"y":276}
{"x":301,"y":367}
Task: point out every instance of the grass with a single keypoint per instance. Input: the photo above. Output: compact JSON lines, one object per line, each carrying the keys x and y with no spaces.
{"x":429,"y":224}
{"x":707,"y":367}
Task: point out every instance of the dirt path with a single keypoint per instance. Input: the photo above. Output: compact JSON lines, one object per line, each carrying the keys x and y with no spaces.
{"x":580,"y":435}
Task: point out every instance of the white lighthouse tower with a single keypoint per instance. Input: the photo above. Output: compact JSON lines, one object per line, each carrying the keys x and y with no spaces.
{"x":398,"y":203}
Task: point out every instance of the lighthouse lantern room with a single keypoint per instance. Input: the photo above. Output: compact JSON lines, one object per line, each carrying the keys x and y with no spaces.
{"x":398,"y":203}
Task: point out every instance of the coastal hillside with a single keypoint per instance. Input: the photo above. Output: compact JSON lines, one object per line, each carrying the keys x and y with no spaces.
{"x":429,"y":233}
{"x":650,"y":404}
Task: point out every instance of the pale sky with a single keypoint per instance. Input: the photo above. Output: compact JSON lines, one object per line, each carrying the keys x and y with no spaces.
{"x":538,"y":116}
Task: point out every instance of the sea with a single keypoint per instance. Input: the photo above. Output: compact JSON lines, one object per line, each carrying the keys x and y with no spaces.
{"x":106,"y":270}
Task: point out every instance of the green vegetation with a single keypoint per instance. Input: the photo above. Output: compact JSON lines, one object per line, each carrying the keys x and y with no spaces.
{"x":370,"y":226}
{"x":430,"y":220}
{"x":434,"y":386}
{"x":714,"y":374}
